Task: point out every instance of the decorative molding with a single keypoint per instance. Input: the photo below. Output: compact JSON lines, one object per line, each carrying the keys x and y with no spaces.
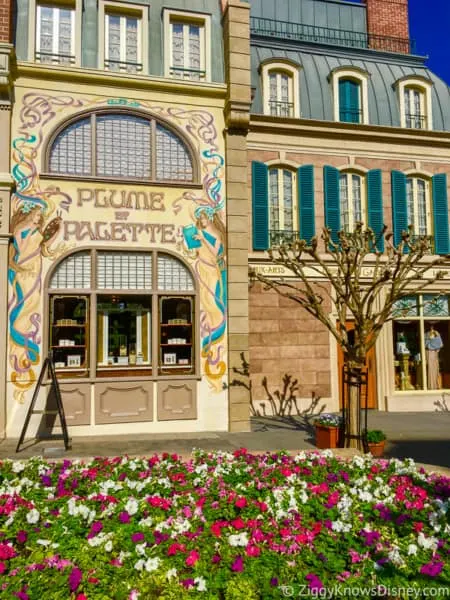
{"x":6,"y":56}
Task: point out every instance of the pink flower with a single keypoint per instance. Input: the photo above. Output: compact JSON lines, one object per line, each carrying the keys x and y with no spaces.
{"x":81,"y":597}
{"x":6,"y":551}
{"x":252,"y":551}
{"x":124,"y":517}
{"x":75,"y":578}
{"x":137,"y":537}
{"x":238,"y":523}
{"x":241,"y":502}
{"x":192,"y":558}
{"x":2,"y":567}
{"x":238,"y":564}
{"x":95,"y":528}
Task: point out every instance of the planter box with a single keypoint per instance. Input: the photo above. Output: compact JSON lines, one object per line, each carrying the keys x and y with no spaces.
{"x":327,"y":437}
{"x":376,"y":449}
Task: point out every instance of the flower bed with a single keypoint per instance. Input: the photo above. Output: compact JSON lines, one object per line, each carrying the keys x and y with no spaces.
{"x":222,"y":526}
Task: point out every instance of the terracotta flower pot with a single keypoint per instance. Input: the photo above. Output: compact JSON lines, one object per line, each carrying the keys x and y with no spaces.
{"x":327,"y":437}
{"x":376,"y":449}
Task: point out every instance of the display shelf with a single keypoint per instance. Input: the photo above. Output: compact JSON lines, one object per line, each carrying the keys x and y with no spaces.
{"x":176,"y":324}
{"x":72,"y":346}
{"x":79,"y":325}
{"x":186,"y":344}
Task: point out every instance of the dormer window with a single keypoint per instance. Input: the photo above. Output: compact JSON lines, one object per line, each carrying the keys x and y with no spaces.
{"x":280,"y":89}
{"x":349,"y":101}
{"x":414,"y":99}
{"x":350,"y":95}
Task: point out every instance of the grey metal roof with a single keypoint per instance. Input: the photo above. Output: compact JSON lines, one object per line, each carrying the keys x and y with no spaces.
{"x":384,"y":69}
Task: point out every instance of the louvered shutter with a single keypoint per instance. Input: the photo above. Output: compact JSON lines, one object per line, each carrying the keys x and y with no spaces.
{"x":399,"y":205}
{"x":440,"y":214}
{"x":331,"y":197}
{"x":260,"y":206}
{"x":306,"y":216}
{"x":375,"y":205}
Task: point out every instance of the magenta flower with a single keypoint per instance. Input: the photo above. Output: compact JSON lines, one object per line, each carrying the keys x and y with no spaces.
{"x":6,"y":551}
{"x":21,"y":537}
{"x":432,"y":569}
{"x":314,"y":582}
{"x":188,"y":583}
{"x":137,"y":537}
{"x":22,"y":595}
{"x":238,"y":564}
{"x":124,"y":517}
{"x":75,"y":578}
{"x":95,"y":529}
{"x":192,"y":558}
{"x":2,"y":567}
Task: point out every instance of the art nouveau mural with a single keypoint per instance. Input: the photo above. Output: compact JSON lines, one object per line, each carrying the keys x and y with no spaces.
{"x":51,"y":217}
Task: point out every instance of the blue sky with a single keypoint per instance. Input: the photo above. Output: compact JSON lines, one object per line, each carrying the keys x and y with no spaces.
{"x":430,"y":27}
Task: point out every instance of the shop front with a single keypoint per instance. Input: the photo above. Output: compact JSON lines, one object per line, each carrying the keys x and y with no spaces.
{"x":118,"y":262}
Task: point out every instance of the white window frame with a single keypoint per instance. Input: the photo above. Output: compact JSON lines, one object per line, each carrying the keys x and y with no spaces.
{"x":34,"y":28}
{"x":280,"y":169}
{"x":423,"y":86}
{"x":283,"y":68}
{"x":187,"y":19}
{"x":429,"y":213}
{"x":361,"y":77}
{"x":123,"y":9}
{"x":105,"y":340}
{"x":363,"y":192}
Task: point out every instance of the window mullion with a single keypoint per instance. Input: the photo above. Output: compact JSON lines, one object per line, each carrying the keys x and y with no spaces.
{"x":55,"y":41}
{"x":350,"y":201}
{"x":93,"y":145}
{"x":281,"y":198}
{"x":186,"y":52}
{"x":123,"y":41}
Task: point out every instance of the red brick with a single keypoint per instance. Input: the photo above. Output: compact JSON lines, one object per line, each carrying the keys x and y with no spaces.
{"x":388,"y":18}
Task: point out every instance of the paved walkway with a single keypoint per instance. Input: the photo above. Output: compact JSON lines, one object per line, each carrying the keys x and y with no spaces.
{"x":422,"y":436}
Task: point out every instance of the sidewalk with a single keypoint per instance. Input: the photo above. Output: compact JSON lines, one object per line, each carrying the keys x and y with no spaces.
{"x":425,"y":437}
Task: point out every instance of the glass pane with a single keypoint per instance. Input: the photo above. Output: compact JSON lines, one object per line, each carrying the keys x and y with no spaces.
{"x":343,"y":195}
{"x":113,"y":42}
{"x":71,"y":151}
{"x":124,"y":271}
{"x":123,"y":331}
{"x":434,"y":306}
{"x":131,"y":42}
{"x":194,"y":50}
{"x":173,"y":275}
{"x":123,"y":146}
{"x":45,"y":43}
{"x":74,"y":272}
{"x":410,"y":201}
{"x":178,"y":48}
{"x":407,"y":356}
{"x":176,"y":335}
{"x":422,"y":207}
{"x":274,"y":200}
{"x":288,"y":207}
{"x":406,"y":307}
{"x":69,"y":333}
{"x":356,"y":192}
{"x":437,"y":354}
{"x":65,"y":33}
{"x":173,"y":161}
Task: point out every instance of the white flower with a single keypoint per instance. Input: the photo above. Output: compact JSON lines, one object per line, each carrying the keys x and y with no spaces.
{"x":152,"y":564}
{"x":148,"y":522}
{"x":171,"y":573}
{"x":140,"y":549}
{"x":395,"y":558}
{"x":33,"y":516}
{"x":132,"y":506}
{"x":201,"y":584}
{"x":43,"y":542}
{"x":139,"y":565}
{"x":430,"y":543}
{"x":18,"y":466}
{"x":108,"y":546}
{"x":412,"y":549}
{"x":238,"y":539}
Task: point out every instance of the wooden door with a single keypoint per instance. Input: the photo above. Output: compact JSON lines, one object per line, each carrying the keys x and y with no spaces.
{"x":371,"y":373}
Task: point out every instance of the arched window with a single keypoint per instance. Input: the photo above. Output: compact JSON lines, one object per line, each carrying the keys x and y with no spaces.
{"x":120,"y":145}
{"x":350,"y":94}
{"x":121,"y":314}
{"x":349,"y":101}
{"x":280,"y":84}
{"x":283,"y":219}
{"x":414,"y":97}
{"x":419,"y":205}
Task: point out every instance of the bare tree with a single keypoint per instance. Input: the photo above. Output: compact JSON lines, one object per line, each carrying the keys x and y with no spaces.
{"x":361,"y":283}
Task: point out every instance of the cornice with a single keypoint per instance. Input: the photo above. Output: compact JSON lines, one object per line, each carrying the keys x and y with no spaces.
{"x":346,"y":131}
{"x":106,"y":79}
{"x":237,"y":116}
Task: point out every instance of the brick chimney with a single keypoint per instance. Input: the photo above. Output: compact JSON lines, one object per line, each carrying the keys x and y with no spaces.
{"x":6,"y":15}
{"x":388,"y":25}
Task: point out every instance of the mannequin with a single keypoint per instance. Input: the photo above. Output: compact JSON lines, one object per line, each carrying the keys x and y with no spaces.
{"x":433,"y":343}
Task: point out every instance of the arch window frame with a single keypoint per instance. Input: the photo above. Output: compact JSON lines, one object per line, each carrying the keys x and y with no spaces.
{"x":349,"y":218}
{"x":276,"y":106}
{"x":422,"y":220}
{"x":405,"y":90}
{"x":153,"y":121}
{"x":277,"y":203}
{"x":96,"y":366}
{"x":358,"y":76}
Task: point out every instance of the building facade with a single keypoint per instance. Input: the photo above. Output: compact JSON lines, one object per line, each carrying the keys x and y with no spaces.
{"x":118,"y":258}
{"x":347,"y":125}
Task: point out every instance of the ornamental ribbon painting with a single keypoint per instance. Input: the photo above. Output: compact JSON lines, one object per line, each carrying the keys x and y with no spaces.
{"x":38,"y":215}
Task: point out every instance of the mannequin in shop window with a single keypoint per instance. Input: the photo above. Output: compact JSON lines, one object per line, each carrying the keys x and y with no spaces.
{"x":433,"y":343}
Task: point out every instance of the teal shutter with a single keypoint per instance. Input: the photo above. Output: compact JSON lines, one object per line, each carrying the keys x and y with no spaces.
{"x":305,"y":187}
{"x":331,"y":197}
{"x":349,"y":109}
{"x":260,"y":205}
{"x":375,"y":205}
{"x":440,"y":214}
{"x":399,"y":206}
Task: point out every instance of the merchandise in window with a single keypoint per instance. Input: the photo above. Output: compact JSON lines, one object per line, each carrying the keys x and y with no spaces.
{"x":55,"y":35}
{"x":421,"y":337}
{"x":176,"y":335}
{"x":69,"y":334}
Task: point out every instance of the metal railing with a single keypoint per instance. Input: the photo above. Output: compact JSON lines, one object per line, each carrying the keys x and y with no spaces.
{"x":350,"y":115}
{"x":54,"y":59}
{"x":282,"y":236}
{"x":325,"y":35}
{"x":416,"y":121}
{"x":123,"y":66}
{"x":182,"y":73}
{"x":281,"y":109}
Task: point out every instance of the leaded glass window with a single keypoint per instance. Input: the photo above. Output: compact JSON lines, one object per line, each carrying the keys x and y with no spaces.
{"x":124,"y":271}
{"x":74,"y":272}
{"x":123,"y":43}
{"x":351,"y":200}
{"x":55,"y":35}
{"x":173,"y":275}
{"x":125,"y":145}
{"x":187,"y":50}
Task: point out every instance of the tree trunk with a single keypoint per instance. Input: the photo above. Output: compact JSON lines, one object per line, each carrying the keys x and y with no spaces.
{"x":353,"y":438}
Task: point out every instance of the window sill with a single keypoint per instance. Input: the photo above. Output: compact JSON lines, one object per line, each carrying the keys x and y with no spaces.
{"x":94,"y":380}
{"x":123,"y":180}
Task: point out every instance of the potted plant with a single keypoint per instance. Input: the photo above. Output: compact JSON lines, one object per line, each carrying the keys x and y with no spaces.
{"x":328,"y":428}
{"x":375,"y":440}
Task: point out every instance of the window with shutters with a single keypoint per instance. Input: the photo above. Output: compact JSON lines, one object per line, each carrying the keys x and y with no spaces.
{"x":280,"y":89}
{"x":418,"y":204}
{"x":350,"y":95}
{"x":352,"y":199}
{"x":414,"y":98}
{"x":187,"y":46}
{"x":120,"y":145}
{"x":283,"y":210}
{"x":121,"y":314}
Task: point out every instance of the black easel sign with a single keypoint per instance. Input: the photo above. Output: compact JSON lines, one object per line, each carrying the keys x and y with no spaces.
{"x":54,"y":386}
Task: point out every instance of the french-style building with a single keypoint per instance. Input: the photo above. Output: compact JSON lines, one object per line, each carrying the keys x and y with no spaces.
{"x":347,"y":124}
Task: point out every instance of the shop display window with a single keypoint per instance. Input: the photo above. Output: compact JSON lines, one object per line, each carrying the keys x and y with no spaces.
{"x":421,"y":343}
{"x":176,"y":354}
{"x":69,"y":334}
